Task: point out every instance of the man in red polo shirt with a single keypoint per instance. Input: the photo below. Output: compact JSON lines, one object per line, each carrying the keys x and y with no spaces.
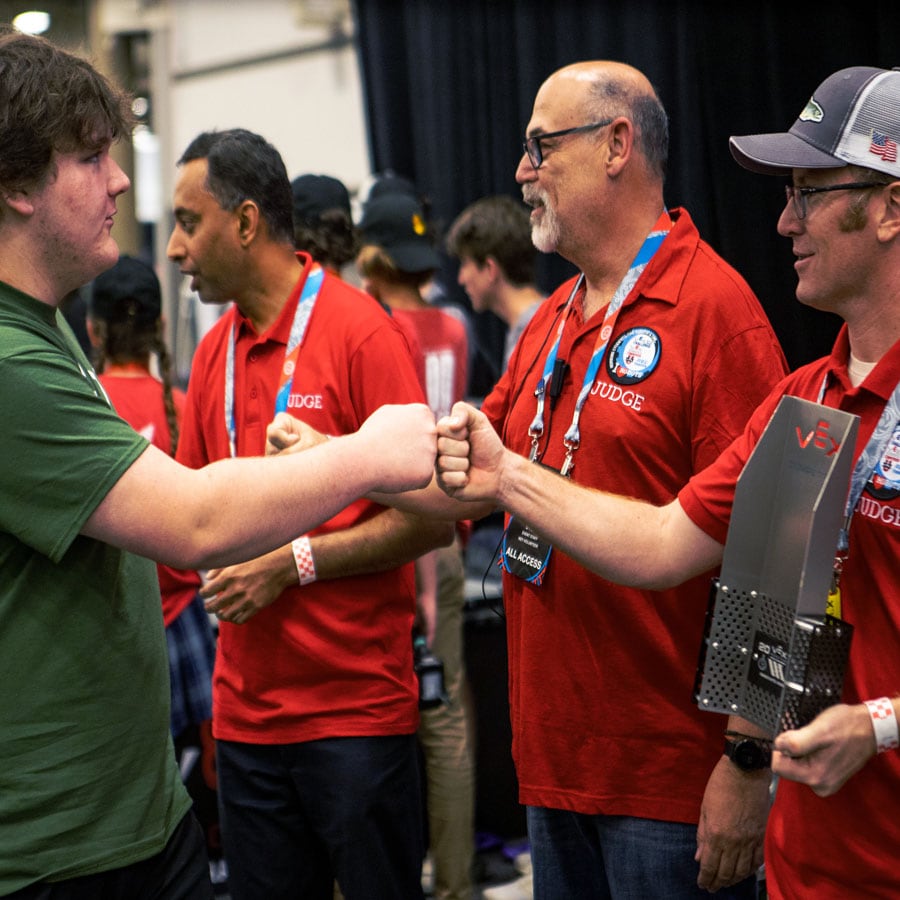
{"x":842,"y":215}
{"x":315,"y":701}
{"x":631,"y":378}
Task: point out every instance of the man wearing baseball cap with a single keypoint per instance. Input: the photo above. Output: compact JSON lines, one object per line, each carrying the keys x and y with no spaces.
{"x":323,"y":221}
{"x":832,"y":832}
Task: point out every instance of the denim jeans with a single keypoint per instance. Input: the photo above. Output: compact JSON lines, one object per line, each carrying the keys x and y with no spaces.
{"x":596,"y":857}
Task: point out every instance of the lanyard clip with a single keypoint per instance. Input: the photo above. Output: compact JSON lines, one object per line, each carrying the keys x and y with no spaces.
{"x":536,"y":429}
{"x":535,"y":435}
{"x":569,"y":462}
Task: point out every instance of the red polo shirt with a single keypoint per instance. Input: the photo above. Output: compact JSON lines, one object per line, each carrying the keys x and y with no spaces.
{"x":601,"y":676}
{"x":333,"y":658}
{"x":845,"y":845}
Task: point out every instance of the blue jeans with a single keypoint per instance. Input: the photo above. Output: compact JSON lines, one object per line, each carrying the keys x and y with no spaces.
{"x":596,"y":857}
{"x":295,"y":817}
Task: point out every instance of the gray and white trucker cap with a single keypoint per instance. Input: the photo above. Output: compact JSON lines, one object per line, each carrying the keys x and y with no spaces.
{"x":852,"y":118}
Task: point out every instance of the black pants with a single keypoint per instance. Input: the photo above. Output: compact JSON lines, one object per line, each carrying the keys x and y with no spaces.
{"x":295,"y":817}
{"x":180,"y":872}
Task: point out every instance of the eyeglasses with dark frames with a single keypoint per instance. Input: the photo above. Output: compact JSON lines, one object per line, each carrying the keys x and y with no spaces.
{"x":532,"y":145}
{"x":798,"y":195}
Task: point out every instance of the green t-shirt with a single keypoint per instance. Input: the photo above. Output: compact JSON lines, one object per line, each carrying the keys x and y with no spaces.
{"x":88,"y":780}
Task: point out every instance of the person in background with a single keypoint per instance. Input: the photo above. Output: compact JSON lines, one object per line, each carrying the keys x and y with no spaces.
{"x":323,"y":222}
{"x":91,"y":799}
{"x":491,"y":238}
{"x":482,"y":364}
{"x":314,"y":694}
{"x":74,"y":310}
{"x":832,"y":832}
{"x":395,"y":260}
{"x":631,"y":378}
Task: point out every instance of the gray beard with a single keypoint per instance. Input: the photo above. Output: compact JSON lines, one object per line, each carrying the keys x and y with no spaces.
{"x":545,"y":234}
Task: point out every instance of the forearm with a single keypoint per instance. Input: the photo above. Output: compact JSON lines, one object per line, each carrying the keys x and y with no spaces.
{"x":230,"y":511}
{"x":431,"y":502}
{"x":387,"y":540}
{"x":626,"y":541}
{"x":381,"y":543}
{"x":745,"y":727}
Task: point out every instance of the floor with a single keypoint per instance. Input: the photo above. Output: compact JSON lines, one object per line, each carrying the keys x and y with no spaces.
{"x":493,"y":866}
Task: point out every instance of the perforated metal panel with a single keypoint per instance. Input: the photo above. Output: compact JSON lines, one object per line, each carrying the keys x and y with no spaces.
{"x":824,"y":647}
{"x":724,"y":671}
{"x":760,"y":662}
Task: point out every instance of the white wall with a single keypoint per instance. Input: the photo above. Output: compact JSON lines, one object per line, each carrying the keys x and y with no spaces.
{"x":309,"y":105}
{"x":253,"y":64}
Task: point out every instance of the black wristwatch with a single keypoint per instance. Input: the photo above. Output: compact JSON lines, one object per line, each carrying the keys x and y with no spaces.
{"x":749,"y":754}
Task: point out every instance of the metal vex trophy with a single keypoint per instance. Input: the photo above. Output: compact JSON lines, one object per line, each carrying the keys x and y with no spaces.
{"x":771,"y":654}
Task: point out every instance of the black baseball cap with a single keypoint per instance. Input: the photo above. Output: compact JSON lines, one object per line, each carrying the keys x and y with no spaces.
{"x":128,"y":291}
{"x":315,"y":194}
{"x":391,"y":183}
{"x":396,"y":223}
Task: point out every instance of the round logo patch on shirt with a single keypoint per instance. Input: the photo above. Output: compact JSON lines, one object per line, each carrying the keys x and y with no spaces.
{"x":633,"y":356}
{"x":885,"y":481}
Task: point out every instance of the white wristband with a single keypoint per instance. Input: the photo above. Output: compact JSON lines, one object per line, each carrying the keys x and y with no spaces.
{"x":303,"y":558}
{"x":884,"y":724}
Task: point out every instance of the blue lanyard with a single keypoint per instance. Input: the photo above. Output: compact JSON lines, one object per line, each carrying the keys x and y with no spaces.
{"x":868,"y":459}
{"x":302,"y":316}
{"x":572,"y":438}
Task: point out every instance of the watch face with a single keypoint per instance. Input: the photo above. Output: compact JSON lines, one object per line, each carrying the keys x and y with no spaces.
{"x":749,"y":755}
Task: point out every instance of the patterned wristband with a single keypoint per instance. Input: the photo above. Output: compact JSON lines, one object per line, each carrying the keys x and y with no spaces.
{"x":303,"y":558}
{"x":884,"y":723}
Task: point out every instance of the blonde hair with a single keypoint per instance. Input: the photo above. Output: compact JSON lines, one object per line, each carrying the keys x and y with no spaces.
{"x":375,"y":262}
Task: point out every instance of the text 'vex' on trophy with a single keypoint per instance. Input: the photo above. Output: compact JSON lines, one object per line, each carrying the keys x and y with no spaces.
{"x":771,"y":653}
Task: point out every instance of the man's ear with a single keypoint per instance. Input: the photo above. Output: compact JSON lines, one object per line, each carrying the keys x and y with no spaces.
{"x":619,"y":145}
{"x":493,"y":267}
{"x":889,"y":224}
{"x":248,"y":222}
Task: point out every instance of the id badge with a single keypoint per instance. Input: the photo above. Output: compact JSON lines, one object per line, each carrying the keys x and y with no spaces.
{"x":525,"y":555}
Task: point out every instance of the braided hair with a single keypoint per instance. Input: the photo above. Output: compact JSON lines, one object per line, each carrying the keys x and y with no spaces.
{"x":125,"y":311}
{"x":128,"y":341}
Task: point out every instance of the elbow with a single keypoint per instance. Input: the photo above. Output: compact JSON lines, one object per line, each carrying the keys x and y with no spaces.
{"x":200,"y":549}
{"x":443,"y":534}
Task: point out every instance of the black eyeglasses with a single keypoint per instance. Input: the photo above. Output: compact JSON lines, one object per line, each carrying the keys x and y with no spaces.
{"x":532,"y":145}
{"x":798,"y":195}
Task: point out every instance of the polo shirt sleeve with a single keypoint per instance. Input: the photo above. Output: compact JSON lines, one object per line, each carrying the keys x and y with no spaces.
{"x":734,"y":373}
{"x":65,"y":445}
{"x":496,"y":404}
{"x":708,"y":497}
{"x":382,"y":371}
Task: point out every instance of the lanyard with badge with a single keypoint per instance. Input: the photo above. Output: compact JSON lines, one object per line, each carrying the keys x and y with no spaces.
{"x":873,"y":463}
{"x":302,"y":316}
{"x":524,"y":554}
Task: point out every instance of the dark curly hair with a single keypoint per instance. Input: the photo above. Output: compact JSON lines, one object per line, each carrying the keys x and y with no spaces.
{"x":51,"y":101}
{"x":332,"y":241}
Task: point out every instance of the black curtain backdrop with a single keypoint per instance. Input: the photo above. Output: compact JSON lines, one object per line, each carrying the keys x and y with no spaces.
{"x":449,"y":87}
